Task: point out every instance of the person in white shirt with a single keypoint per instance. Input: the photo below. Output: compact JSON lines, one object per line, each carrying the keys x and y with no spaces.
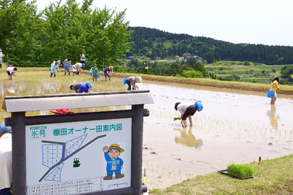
{"x":82,"y":57}
{"x":77,"y":68}
{"x":186,"y":110}
{"x":5,"y":163}
{"x":54,"y":68}
{"x":11,"y":71}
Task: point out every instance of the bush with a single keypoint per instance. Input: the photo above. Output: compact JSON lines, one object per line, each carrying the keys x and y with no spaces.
{"x":239,"y":170}
{"x":192,"y":74}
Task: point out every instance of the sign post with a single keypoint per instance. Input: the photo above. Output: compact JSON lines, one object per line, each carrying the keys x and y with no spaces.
{"x":83,"y":153}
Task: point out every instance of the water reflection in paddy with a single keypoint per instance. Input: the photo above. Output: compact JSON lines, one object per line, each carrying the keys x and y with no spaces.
{"x":234,"y":126}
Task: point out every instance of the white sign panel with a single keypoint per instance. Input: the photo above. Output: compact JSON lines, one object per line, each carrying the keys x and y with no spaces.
{"x":78,"y":157}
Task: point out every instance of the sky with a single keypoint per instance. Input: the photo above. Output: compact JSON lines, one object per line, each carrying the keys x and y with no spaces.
{"x":268,"y":22}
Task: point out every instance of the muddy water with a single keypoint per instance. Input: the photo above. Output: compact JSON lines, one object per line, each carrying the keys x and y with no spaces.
{"x":234,"y":126}
{"x":40,"y":83}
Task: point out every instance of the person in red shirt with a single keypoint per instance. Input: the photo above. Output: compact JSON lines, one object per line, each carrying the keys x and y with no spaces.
{"x":107,"y":72}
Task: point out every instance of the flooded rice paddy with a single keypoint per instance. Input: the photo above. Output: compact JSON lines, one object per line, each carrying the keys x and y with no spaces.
{"x":234,"y":126}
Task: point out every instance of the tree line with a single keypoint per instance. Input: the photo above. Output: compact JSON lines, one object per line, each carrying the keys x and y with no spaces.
{"x":35,"y":38}
{"x":155,"y":43}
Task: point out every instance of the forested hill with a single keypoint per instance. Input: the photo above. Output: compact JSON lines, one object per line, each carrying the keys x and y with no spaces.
{"x":156,"y":43}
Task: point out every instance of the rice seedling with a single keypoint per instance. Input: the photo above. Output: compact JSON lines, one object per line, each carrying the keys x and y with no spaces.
{"x":239,"y":170}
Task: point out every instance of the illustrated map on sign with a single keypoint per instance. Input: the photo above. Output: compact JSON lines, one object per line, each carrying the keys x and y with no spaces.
{"x":55,"y":153}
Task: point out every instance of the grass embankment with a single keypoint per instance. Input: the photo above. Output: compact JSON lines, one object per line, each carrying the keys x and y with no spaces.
{"x":270,"y":177}
{"x":260,"y":87}
{"x":286,"y":89}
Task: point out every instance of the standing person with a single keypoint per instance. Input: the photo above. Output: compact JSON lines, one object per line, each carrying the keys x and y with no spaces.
{"x":107,"y":72}
{"x":67,"y":66}
{"x":186,"y":110}
{"x":81,"y":87}
{"x":60,"y":63}
{"x":11,"y":71}
{"x":6,"y":163}
{"x":82,"y":57}
{"x":54,"y":68}
{"x":94,"y":71}
{"x":1,"y":56}
{"x":131,"y":81}
{"x":77,"y":67}
{"x":274,"y":87}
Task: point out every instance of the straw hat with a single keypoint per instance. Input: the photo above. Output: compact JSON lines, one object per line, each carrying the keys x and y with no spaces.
{"x":116,"y":146}
{"x":138,"y":79}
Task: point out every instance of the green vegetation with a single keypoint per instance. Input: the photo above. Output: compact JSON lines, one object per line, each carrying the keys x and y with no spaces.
{"x":239,"y":170}
{"x":270,"y":177}
{"x":156,"y":43}
{"x":29,"y":38}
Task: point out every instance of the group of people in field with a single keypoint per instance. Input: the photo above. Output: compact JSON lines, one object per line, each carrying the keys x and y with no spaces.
{"x":186,"y":110}
{"x":77,"y":67}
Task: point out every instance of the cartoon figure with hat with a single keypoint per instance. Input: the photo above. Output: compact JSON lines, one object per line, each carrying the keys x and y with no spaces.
{"x":114,"y":163}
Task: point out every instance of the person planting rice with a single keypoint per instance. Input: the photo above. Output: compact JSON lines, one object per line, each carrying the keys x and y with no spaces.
{"x":107,"y":72}
{"x":11,"y":71}
{"x":77,"y":67}
{"x":274,"y":87}
{"x":131,"y":81}
{"x":67,"y":66}
{"x":187,"y":110}
{"x":81,"y":87}
{"x":54,"y":68}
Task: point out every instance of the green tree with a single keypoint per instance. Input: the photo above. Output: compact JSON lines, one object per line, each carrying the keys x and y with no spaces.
{"x":20,"y":31}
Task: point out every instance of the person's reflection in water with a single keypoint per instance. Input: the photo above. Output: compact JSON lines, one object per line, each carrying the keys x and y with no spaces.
{"x":273,"y":116}
{"x":11,"y":86}
{"x":188,"y":139}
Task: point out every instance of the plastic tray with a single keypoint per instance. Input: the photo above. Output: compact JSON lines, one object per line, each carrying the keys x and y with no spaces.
{"x":226,"y":173}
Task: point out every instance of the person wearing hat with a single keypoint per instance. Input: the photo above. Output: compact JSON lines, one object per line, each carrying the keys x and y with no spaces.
{"x":67,"y":66}
{"x":131,"y":81}
{"x":77,"y":68}
{"x":274,"y":87}
{"x":81,"y":87}
{"x":186,"y":110}
{"x":54,"y":68}
{"x":107,"y":72}
{"x":5,"y":160}
{"x":114,"y":163}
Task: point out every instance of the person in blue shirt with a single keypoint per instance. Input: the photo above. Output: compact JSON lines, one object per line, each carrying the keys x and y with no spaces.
{"x":94,"y":71}
{"x":114,"y":163}
{"x":80,"y":87}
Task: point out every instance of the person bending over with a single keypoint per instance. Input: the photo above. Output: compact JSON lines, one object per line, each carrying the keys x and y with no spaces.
{"x":81,"y":87}
{"x":186,"y":110}
{"x":107,"y":72}
{"x":131,"y":81}
{"x":11,"y":71}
